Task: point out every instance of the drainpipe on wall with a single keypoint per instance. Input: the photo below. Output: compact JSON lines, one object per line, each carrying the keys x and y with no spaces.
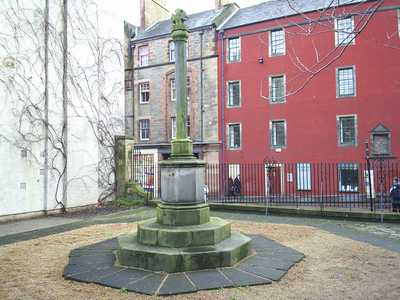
{"x":46,"y":107}
{"x":201,"y":90}
{"x":222,"y":100}
{"x":132,"y":66}
{"x":64,"y":203}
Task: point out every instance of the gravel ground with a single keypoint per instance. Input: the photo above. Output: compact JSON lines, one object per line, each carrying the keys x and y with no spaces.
{"x":334,"y":268}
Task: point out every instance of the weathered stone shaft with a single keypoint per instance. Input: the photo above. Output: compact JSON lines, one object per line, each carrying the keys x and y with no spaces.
{"x":181,"y":88}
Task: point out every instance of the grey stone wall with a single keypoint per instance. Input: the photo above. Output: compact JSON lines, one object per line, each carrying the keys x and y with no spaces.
{"x":158,"y":73}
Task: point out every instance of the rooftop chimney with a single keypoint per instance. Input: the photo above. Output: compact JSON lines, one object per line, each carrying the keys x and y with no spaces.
{"x":152,"y":11}
{"x":220,"y":3}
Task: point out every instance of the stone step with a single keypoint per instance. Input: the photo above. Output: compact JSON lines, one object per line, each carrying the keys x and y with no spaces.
{"x":154,"y":234}
{"x":224,"y":254}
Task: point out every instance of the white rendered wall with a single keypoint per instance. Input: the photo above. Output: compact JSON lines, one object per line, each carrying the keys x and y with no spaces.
{"x":21,"y":178}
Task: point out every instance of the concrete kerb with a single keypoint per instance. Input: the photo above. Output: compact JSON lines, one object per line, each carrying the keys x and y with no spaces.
{"x":311,"y":213}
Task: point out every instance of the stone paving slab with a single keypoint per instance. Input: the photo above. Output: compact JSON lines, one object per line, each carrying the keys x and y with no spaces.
{"x":95,"y":263}
{"x":176,"y":284}
{"x":209,"y":279}
{"x":147,"y":285}
{"x":242,"y":278}
{"x":123,"y":278}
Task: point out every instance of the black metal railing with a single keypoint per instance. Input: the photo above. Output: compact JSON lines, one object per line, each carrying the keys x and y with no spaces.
{"x":145,"y":171}
{"x":323,"y":185}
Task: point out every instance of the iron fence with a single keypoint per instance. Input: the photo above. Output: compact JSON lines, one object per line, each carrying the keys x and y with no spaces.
{"x":323,"y":185}
{"x":144,"y":171}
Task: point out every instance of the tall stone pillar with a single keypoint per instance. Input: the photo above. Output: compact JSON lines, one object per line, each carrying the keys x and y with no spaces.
{"x":182,"y":145}
{"x":182,"y":176}
{"x":183,"y":237}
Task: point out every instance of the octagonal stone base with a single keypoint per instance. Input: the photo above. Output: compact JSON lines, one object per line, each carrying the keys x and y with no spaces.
{"x":224,"y":254}
{"x":152,"y":233}
{"x":183,"y":215}
{"x":95,"y":263}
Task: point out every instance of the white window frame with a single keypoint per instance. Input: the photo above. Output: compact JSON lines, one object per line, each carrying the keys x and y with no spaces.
{"x":229,"y":50}
{"x":171,"y":51}
{"x":188,"y":88}
{"x":188,"y":126}
{"x":233,"y":171}
{"x":283,"y":99}
{"x":229,"y":136}
{"x":351,"y":36}
{"x":172,"y":83}
{"x":398,"y":21}
{"x":340,"y":133}
{"x":140,"y":84}
{"x":229,"y":93}
{"x":140,"y":62}
{"x":270,"y":52}
{"x":272,"y":137}
{"x":341,"y":187}
{"x":141,"y":128}
{"x":172,"y":87}
{"x":173,"y":127}
{"x":338,"y":96}
{"x":303,"y":177}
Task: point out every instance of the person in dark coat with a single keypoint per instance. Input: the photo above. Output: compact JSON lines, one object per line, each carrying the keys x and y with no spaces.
{"x":236,"y":186}
{"x":395,"y":195}
{"x":230,"y":186}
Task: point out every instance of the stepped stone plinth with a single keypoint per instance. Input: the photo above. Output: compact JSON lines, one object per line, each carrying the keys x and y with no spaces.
{"x":200,"y":242}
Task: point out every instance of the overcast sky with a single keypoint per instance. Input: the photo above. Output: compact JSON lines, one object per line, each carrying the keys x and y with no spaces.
{"x":129,"y":9}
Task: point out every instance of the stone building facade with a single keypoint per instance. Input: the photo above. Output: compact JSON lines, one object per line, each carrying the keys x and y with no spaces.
{"x":153,"y":106}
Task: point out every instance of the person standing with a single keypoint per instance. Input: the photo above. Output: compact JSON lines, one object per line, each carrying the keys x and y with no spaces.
{"x":395,"y":195}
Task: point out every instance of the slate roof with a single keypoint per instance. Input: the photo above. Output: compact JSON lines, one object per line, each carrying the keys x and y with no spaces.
{"x":275,"y":9}
{"x":201,"y":19}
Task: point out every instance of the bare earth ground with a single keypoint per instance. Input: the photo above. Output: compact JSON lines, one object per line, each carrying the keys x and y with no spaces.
{"x":334,"y":267}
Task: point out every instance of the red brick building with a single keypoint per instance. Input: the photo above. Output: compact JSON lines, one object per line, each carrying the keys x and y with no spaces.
{"x":305,"y":83}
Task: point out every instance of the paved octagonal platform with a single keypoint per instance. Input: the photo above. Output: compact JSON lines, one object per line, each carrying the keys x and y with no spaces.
{"x":95,"y":263}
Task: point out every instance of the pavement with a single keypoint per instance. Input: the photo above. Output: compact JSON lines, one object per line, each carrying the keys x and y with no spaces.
{"x":33,"y":224}
{"x":384,"y":235}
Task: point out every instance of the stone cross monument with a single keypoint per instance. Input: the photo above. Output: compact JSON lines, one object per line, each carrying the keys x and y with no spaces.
{"x":183,"y":237}
{"x":182,"y":176}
